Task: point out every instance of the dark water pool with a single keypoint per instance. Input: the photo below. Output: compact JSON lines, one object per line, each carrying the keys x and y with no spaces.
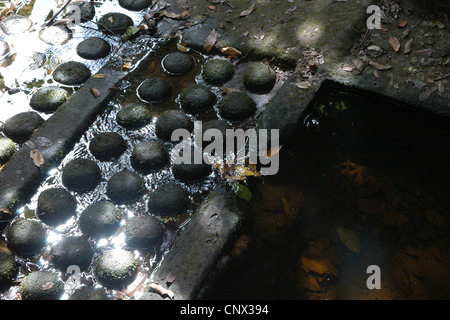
{"x":365,"y":181}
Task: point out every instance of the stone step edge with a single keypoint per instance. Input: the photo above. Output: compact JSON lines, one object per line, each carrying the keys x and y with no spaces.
{"x":20,"y":176}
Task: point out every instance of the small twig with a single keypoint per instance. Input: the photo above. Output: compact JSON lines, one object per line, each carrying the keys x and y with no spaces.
{"x":54,"y":17}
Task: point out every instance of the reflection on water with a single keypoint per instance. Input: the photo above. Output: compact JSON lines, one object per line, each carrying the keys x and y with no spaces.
{"x":364,"y":182}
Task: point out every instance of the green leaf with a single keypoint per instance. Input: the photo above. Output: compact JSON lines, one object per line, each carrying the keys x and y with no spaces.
{"x":349,"y":239}
{"x":242,"y":191}
{"x":28,"y":213}
{"x":131,"y":31}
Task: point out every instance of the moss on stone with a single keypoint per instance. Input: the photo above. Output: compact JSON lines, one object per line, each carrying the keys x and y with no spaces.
{"x":196,"y":98}
{"x":48,"y":99}
{"x":8,"y":268}
{"x":81,"y":175}
{"x":26,"y":236}
{"x":217,"y":71}
{"x":116,"y":268}
{"x":41,"y":285}
{"x":125,"y":187}
{"x":134,"y":116}
{"x":259,"y":77}
{"x":100,"y":219}
{"x":7,"y":149}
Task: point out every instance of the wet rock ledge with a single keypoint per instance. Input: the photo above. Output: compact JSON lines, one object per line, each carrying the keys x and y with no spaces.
{"x":216,"y":223}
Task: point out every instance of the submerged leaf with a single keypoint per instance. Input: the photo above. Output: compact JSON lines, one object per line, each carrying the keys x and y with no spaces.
{"x":369,"y":206}
{"x":242,"y":191}
{"x":349,"y":239}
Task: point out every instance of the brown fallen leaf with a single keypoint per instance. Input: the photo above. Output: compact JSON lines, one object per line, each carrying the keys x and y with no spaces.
{"x":402,"y":23}
{"x":182,"y":47}
{"x":423,"y":52}
{"x":162,"y":291}
{"x":248,"y":11}
{"x":395,"y":43}
{"x":37,"y":158}
{"x":212,"y":8}
{"x":47,"y":286}
{"x":369,"y":206}
{"x":303,"y":85}
{"x":379,"y":66}
{"x":5,"y":210}
{"x":393,"y":218}
{"x":172,"y":15}
{"x":375,"y":73}
{"x":408,"y":46}
{"x":427,"y":93}
{"x":347,"y":68}
{"x":405,"y":34}
{"x":231,"y":52}
{"x":435,"y":218}
{"x":440,"y":25}
{"x":99,"y":76}
{"x":95,"y":92}
{"x":229,"y":90}
{"x":375,"y":48}
{"x":211,"y":40}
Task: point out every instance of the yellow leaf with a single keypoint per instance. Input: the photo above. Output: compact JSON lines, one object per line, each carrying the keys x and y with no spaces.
{"x":127,"y":66}
{"x":99,"y":76}
{"x":182,"y":47}
{"x":231,"y":52}
{"x":349,"y":239}
{"x":319,"y":265}
{"x":37,"y":158}
{"x":246,"y":172}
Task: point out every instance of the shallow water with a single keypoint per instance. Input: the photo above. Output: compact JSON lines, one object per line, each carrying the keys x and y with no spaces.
{"x":371,"y":167}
